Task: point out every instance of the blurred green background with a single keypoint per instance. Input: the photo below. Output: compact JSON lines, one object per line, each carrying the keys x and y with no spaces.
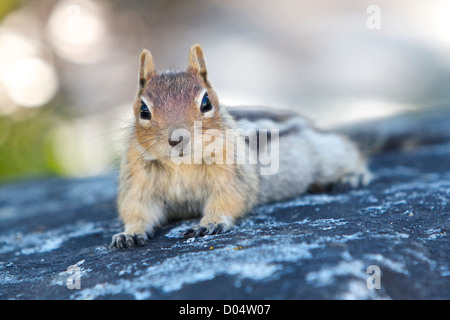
{"x":68,"y":68}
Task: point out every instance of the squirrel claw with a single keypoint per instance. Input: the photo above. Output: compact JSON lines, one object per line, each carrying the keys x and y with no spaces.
{"x":123,"y":240}
{"x":200,"y":231}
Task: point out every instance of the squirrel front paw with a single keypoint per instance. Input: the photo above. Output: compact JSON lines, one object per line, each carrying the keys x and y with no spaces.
{"x":125,"y":240}
{"x":200,"y":230}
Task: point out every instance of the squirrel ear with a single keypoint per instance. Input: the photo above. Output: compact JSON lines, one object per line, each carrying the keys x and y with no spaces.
{"x":197,"y":63}
{"x":147,"y":69}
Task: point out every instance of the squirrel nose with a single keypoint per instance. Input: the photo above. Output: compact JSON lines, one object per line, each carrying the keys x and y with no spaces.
{"x":173,"y":143}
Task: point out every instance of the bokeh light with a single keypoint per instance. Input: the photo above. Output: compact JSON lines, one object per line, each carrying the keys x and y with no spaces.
{"x":77,"y":30}
{"x":28,"y":80}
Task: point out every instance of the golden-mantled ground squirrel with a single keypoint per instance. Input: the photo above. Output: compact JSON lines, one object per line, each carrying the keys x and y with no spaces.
{"x":163,"y":174}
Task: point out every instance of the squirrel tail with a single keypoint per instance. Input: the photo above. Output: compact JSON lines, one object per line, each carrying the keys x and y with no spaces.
{"x":404,"y":131}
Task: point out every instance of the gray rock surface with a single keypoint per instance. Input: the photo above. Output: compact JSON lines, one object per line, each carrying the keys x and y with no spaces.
{"x":318,"y":246}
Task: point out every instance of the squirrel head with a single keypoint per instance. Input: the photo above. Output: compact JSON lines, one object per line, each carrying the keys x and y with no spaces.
{"x":173,"y":100}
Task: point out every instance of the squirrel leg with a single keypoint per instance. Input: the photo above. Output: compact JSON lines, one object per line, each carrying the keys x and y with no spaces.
{"x":140,"y":219}
{"x":220,"y":213}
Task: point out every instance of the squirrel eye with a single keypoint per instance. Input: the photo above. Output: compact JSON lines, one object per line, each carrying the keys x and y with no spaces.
{"x":206,"y":104}
{"x":145,"y":112}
